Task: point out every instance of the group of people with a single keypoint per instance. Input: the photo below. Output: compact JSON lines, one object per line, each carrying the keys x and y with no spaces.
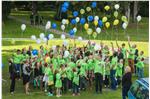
{"x":71,"y":68}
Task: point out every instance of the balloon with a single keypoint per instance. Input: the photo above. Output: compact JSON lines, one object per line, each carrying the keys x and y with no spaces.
{"x":96,"y":18}
{"x":94,"y":4}
{"x":48,"y":25}
{"x":38,"y":41}
{"x":65,"y":43}
{"x":23,"y":27}
{"x":82,"y":21}
{"x":42,"y":35}
{"x":124,"y":25}
{"x":66,"y":54}
{"x":124,"y":18}
{"x":47,"y":59}
{"x":104,"y":19}
{"x":86,"y":26}
{"x":116,"y":22}
{"x":66,"y":4}
{"x":44,"y":40}
{"x":89,"y":31}
{"x":97,"y":47}
{"x":77,"y":19}
{"x":79,"y":38}
{"x":63,"y":21}
{"x":71,"y":32}
{"x":100,"y":23}
{"x":107,"y":7}
{"x":33,"y":37}
{"x":90,"y":18}
{"x":82,"y":11}
{"x":138,"y":18}
{"x":116,"y":14}
{"x":73,"y":21}
{"x":13,"y":41}
{"x":75,"y":29}
{"x":67,"y":21}
{"x":63,"y":9}
{"x":88,"y":9}
{"x":63,"y":36}
{"x":116,"y":6}
{"x":95,"y":23}
{"x":54,"y":47}
{"x":54,"y":25}
{"x":63,"y":27}
{"x":34,"y":52}
{"x":98,"y":30}
{"x":107,"y":24}
{"x":75,"y":13}
{"x":94,"y":34}
{"x":50,"y":36}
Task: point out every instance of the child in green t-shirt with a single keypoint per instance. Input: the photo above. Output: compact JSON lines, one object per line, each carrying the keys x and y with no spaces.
{"x":140,"y":66}
{"x":107,"y":72}
{"x":58,"y":83}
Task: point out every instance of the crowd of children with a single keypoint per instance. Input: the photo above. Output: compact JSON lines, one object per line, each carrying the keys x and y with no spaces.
{"x":64,"y":68}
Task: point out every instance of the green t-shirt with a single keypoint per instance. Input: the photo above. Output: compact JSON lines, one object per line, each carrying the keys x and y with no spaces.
{"x":50,"y":75}
{"x":123,"y":50}
{"x":140,"y":64}
{"x":107,"y":68}
{"x":76,"y":78}
{"x":17,"y":58}
{"x":69,"y":73}
{"x":139,"y":57}
{"x":131,"y":54}
{"x":119,"y":70}
{"x":58,"y":83}
{"x":72,"y":64}
{"x":99,"y":66}
{"x":90,"y":63}
{"x":55,"y":63}
{"x":114,"y":63}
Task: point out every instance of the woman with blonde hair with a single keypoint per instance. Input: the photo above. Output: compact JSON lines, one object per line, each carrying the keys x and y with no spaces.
{"x":126,"y":81}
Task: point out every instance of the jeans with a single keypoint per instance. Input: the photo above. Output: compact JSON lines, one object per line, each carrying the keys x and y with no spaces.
{"x":82,"y":83}
{"x":124,"y":92}
{"x":140,"y":73}
{"x":17,"y":67}
{"x":113,"y":80}
{"x":12,"y":85}
{"x":75,"y":88}
{"x":98,"y":82}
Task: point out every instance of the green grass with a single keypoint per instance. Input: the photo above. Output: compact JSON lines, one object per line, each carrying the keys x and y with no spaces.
{"x":7,"y":50}
{"x":141,"y":35}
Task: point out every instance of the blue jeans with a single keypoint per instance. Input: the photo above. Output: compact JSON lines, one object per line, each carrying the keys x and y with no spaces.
{"x":75,"y":88}
{"x":124,"y":92}
{"x":113,"y":80}
{"x":17,"y":67}
{"x":140,"y":73}
{"x":83,"y":83}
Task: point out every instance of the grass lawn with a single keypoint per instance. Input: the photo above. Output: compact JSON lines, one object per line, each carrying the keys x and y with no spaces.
{"x":10,"y":28}
{"x":7,"y":50}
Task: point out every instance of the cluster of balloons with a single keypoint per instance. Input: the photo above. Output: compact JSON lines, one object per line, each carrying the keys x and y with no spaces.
{"x":65,"y":6}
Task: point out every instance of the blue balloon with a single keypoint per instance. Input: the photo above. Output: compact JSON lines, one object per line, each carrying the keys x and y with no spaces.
{"x":2,"y":65}
{"x":35,"y":52}
{"x":90,"y":18}
{"x":94,"y":4}
{"x":100,"y":23}
{"x":82,"y":21}
{"x":63,"y":9}
{"x":66,"y":4}
{"x":73,"y":21}
{"x":71,"y":32}
{"x":75,"y":13}
{"x":54,"y":25}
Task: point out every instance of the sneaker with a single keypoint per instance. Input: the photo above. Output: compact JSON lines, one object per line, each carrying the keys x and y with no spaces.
{"x":12,"y":93}
{"x":57,"y":96}
{"x":49,"y":94}
{"x":73,"y":94}
{"x":105,"y":86}
{"x":78,"y":94}
{"x":45,"y":90}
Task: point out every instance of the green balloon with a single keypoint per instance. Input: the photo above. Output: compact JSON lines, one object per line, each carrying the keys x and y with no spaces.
{"x":124,"y":18}
{"x":116,"y":14}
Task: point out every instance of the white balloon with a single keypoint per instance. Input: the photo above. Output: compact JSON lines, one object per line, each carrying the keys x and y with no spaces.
{"x":48,"y":25}
{"x":80,"y":38}
{"x":65,"y":43}
{"x":138,"y":18}
{"x":66,"y":54}
{"x":42,"y":35}
{"x":116,"y":6}
{"x":97,"y":47}
{"x":96,"y":18}
{"x":33,"y":37}
{"x":50,"y":36}
{"x":63,"y":27}
{"x":98,"y":30}
{"x":75,"y":29}
{"x":124,"y":25}
{"x":54,"y":47}
{"x":44,"y":40}
{"x":38,"y":41}
{"x":77,"y":19}
{"x":23,"y":27}
{"x":63,"y":36}
{"x":63,"y":21}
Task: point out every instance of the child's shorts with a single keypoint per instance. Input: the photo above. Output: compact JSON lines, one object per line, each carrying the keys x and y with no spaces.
{"x":26,"y":79}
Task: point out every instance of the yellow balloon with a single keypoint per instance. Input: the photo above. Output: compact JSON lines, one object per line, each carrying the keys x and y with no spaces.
{"x":107,"y":7}
{"x":67,"y":21}
{"x":89,"y":31}
{"x":107,"y":24}
{"x":104,"y":19}
{"x":94,"y":34}
{"x":47,"y":60}
{"x":95,"y":23}
{"x":116,"y":14}
{"x":116,"y":22}
{"x":124,"y":18}
{"x":86,"y":26}
{"x":82,"y":11}
{"x":88,"y":9}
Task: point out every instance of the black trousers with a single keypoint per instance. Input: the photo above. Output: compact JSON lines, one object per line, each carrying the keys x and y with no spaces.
{"x":106,"y":81}
{"x":12,"y":85}
{"x":64,"y":85}
{"x":98,"y":82}
{"x":50,"y":88}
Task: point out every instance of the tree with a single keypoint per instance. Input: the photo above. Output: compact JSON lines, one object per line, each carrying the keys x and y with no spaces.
{"x":6,"y":9}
